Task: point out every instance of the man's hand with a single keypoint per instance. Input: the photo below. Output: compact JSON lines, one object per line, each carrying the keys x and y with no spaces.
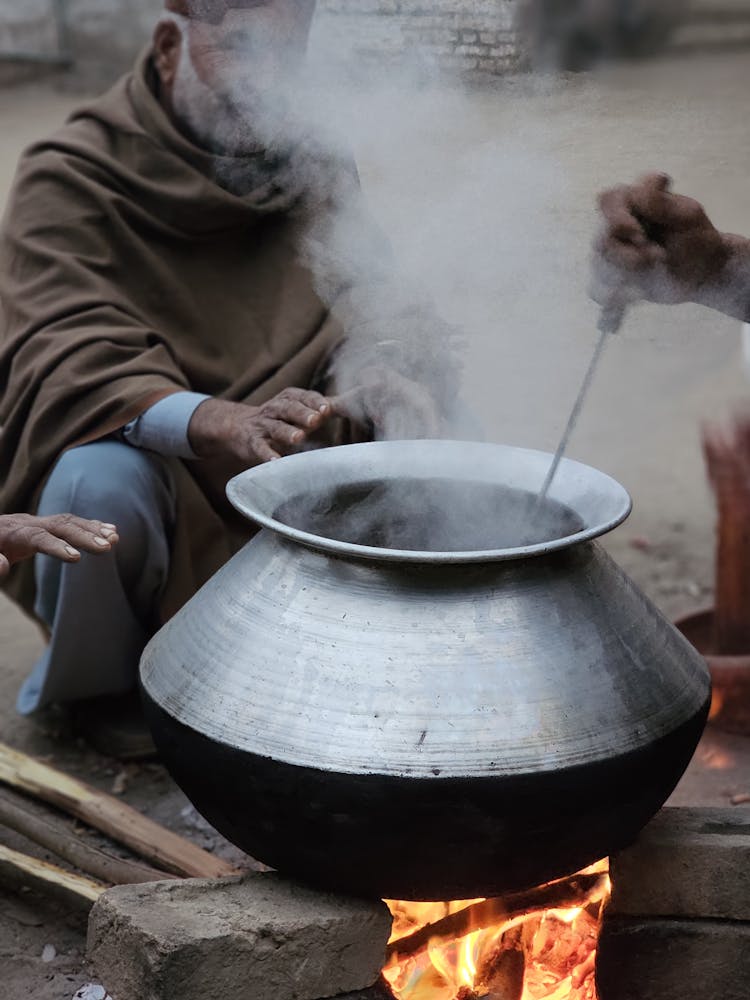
{"x":389,"y":406}
{"x":62,"y":536}
{"x":657,"y":246}
{"x":255,"y":434}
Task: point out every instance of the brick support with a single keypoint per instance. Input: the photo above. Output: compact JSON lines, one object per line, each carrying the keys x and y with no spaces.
{"x":686,"y":863}
{"x":257,"y":937}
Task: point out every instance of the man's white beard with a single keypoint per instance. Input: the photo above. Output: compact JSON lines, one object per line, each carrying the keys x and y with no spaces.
{"x":255,"y":134}
{"x":218,"y":122}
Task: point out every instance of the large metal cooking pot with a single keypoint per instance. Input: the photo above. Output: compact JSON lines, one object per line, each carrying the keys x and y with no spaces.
{"x":411,"y":723}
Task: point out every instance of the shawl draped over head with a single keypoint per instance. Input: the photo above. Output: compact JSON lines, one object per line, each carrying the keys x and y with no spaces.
{"x":126,"y":274}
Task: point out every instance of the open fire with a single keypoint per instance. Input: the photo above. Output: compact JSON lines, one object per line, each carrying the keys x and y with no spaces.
{"x":539,"y":945}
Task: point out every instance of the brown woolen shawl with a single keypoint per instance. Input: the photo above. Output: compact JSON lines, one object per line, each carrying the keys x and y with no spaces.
{"x":126,"y":274}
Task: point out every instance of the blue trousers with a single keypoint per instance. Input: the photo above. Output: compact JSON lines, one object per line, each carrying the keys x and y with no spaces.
{"x":101,"y":611}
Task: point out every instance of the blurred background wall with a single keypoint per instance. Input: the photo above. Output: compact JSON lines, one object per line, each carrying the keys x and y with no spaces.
{"x":102,"y":36}
{"x":99,"y":38}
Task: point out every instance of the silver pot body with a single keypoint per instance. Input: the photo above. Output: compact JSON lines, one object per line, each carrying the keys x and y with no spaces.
{"x":422,"y":724}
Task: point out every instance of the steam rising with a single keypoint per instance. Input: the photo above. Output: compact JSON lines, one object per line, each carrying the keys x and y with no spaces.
{"x":491,"y":225}
{"x":488,"y":224}
{"x":430,"y":515}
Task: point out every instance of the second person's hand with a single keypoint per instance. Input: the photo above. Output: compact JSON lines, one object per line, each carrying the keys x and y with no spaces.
{"x":655,"y":245}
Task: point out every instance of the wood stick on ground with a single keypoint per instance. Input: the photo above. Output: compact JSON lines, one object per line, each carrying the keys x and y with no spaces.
{"x":488,"y":913}
{"x":109,"y":815}
{"x":18,"y":869}
{"x":39,"y":824}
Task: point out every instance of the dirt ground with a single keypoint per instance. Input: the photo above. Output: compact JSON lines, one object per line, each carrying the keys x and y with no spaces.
{"x":667,"y":372}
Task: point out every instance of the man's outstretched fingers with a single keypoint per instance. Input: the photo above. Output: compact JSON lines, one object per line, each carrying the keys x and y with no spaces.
{"x":282,"y":433}
{"x":62,"y":536}
{"x":314,"y":400}
{"x":36,"y":538}
{"x":91,"y":536}
{"x":294,"y":411}
{"x":260,"y":448}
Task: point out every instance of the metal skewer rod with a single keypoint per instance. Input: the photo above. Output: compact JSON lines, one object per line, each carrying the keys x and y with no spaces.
{"x":609,"y":322}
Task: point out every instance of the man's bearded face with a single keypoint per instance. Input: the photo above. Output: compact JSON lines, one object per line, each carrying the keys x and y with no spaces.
{"x":233,"y":75}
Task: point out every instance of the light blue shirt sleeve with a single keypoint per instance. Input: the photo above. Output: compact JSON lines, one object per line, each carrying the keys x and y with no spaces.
{"x":163,"y":427}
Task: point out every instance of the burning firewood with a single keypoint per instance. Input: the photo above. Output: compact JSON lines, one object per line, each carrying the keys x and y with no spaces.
{"x":540,"y":943}
{"x":489,"y":912}
{"x":502,"y":975}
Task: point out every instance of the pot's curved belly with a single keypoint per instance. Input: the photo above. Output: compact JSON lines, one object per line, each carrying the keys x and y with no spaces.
{"x":503,"y":669}
{"x":424,"y":732}
{"x":423,"y":838}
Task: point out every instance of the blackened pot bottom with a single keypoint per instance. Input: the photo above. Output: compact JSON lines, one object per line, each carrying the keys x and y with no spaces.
{"x":419,"y":838}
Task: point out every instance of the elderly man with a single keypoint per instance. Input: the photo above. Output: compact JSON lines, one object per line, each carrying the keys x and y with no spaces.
{"x":162,"y":331}
{"x":659,"y":246}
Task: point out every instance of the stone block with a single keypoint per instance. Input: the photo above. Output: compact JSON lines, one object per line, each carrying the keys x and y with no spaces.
{"x":686,"y":863}
{"x":673,"y":960}
{"x":252,"y":938}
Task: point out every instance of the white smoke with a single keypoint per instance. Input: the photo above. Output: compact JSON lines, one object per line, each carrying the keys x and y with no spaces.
{"x":480,"y":222}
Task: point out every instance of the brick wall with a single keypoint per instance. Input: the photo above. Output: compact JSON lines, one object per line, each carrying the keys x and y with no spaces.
{"x":474,"y":36}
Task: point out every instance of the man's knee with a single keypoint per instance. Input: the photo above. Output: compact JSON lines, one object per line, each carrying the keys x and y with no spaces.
{"x":132,"y":489}
{"x":110,"y":481}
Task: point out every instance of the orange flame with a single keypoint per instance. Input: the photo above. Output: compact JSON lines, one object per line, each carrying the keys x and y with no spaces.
{"x":717,"y":704}
{"x":547,"y":955}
